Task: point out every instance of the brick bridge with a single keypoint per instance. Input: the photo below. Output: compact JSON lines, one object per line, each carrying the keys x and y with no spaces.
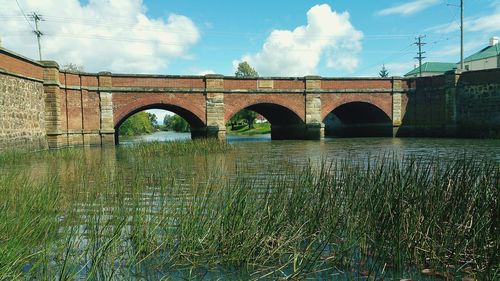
{"x":42,"y":106}
{"x":88,"y":108}
{"x":91,"y":107}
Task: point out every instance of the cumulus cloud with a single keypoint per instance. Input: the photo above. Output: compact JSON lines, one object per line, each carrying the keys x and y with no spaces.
{"x":112,"y":35}
{"x":328,"y":35}
{"x":408,"y":8}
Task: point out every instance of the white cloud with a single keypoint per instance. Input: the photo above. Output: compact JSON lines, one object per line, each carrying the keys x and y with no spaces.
{"x":487,"y":24}
{"x":408,"y":8}
{"x":113,"y":35}
{"x":205,"y":72}
{"x":328,"y":35}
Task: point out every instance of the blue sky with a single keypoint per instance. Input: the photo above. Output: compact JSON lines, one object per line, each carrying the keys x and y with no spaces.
{"x":296,"y":38}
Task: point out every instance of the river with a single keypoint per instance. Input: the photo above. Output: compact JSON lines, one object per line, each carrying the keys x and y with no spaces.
{"x":329,"y":148}
{"x":95,"y":190}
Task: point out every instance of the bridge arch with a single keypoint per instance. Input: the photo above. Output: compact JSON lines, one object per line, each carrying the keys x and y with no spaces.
{"x":191,"y":113}
{"x":286,"y":123}
{"x":357,"y":119}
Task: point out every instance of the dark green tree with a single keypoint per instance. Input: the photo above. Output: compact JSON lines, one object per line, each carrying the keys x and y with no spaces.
{"x":245,"y":70}
{"x":383,"y":72}
{"x":137,"y":124}
{"x":176,"y":123}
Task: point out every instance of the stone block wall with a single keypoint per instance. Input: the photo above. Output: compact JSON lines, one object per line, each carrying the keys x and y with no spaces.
{"x":425,"y":111}
{"x":478,"y":104}
{"x":22,"y":113}
{"x":454,"y":105}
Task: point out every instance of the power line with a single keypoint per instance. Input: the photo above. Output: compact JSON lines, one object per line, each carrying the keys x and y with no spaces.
{"x":24,"y":16}
{"x":419,"y":56}
{"x":37,"y":32}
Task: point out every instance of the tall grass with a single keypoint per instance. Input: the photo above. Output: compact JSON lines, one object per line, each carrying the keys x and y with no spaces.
{"x":385,"y":218}
{"x":176,"y":148}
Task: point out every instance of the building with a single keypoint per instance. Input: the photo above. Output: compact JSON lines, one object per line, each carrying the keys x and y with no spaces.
{"x":431,"y":69}
{"x":486,"y":58}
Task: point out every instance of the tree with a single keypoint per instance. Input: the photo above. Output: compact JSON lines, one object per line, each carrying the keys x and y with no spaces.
{"x":245,"y":70}
{"x":73,"y":67}
{"x":383,"y":72}
{"x":137,"y":124}
{"x":153,"y":120}
{"x":176,"y":123}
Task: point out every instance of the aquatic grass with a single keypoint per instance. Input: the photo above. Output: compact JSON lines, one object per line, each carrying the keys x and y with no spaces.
{"x":177,"y":147}
{"x":385,"y":217}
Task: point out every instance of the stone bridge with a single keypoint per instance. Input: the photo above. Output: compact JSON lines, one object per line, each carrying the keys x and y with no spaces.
{"x":88,"y":108}
{"x":91,"y":107}
{"x":43,"y":106}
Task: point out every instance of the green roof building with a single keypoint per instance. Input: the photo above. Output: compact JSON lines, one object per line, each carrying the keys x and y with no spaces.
{"x":431,"y":69}
{"x":486,"y":58}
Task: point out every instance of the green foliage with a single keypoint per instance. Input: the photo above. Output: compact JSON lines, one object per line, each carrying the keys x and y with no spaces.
{"x":383,"y":72}
{"x":245,"y":115}
{"x":245,"y":70}
{"x":176,"y":123}
{"x":138,"y":124}
{"x":259,"y":128}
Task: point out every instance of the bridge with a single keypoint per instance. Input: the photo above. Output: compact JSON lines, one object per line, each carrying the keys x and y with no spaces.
{"x":41,"y":104}
{"x":93,"y":106}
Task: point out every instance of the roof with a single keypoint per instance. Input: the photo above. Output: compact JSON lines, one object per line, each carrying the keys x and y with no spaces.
{"x":488,"y":52}
{"x":435,"y":67}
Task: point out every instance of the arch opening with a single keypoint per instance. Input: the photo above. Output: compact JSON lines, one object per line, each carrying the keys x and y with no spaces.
{"x":358,"y":119}
{"x":283,"y":122}
{"x":195,"y":126}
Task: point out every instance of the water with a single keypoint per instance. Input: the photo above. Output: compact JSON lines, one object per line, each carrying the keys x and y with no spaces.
{"x":100,"y":181}
{"x":255,"y":149}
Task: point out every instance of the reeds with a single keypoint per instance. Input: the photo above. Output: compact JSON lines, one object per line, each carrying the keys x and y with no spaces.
{"x":384,"y":218}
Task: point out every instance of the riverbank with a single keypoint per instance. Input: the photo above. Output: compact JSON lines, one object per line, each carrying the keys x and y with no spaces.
{"x":185,"y":210}
{"x":258,"y":129}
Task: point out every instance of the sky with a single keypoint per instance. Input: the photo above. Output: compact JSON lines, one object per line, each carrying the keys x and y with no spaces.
{"x":278,"y":38}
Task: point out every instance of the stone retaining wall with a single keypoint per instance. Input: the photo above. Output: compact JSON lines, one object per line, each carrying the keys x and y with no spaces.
{"x":22,"y":113}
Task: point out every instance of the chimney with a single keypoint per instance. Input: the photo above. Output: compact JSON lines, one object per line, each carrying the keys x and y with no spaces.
{"x":493,"y":41}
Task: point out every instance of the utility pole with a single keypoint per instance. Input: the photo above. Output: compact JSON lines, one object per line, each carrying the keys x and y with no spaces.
{"x":37,"y":32}
{"x":419,"y":56}
{"x":462,"y":35}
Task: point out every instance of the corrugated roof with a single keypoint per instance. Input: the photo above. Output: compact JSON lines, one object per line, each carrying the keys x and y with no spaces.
{"x":436,"y":67}
{"x":488,"y":52}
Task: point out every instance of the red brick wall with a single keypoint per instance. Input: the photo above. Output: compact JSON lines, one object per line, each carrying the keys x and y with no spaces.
{"x":158,"y":82}
{"x":15,"y":64}
{"x":289,"y":84}
{"x":356,"y":84}
{"x":124,"y":103}
{"x":240,"y":84}
{"x":74,"y":109}
{"x":64,"y":117}
{"x":89,"y":81}
{"x":91,"y":111}
{"x":236,"y":102}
